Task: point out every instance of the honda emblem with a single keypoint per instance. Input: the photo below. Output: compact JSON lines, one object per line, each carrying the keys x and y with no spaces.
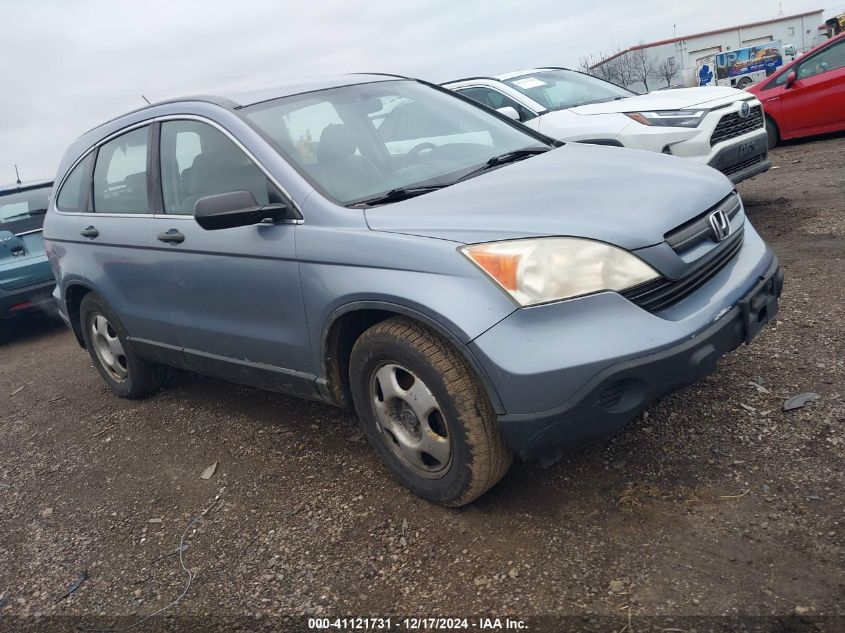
{"x":720,"y":224}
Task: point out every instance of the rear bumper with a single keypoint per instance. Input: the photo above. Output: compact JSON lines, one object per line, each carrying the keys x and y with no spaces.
{"x":33,"y":298}
{"x":597,"y":403}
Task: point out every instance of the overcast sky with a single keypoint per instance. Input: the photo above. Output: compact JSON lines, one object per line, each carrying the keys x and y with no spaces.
{"x":67,"y":66}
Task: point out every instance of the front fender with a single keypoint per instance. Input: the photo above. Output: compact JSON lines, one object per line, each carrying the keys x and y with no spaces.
{"x":449,"y":331}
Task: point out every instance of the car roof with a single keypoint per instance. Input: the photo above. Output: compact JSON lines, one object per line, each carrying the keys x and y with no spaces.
{"x":506,"y":76}
{"x":237,"y":98}
{"x":232,"y":100}
{"x":24,"y":186}
{"x":251,"y":96}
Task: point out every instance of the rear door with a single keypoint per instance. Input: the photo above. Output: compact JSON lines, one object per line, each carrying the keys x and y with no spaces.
{"x":234,"y":294}
{"x":815,"y":103}
{"x":101,"y":230}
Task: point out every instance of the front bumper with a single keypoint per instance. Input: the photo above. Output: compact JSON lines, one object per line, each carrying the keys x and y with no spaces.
{"x":586,"y":367}
{"x":739,"y":157}
{"x":743,"y":159}
{"x":32,"y":298}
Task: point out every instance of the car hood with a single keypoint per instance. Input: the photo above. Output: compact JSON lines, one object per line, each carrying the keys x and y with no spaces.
{"x":630,"y":198}
{"x":679,"y":99}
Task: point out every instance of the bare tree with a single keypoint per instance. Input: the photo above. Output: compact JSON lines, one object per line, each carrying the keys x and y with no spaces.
{"x":585,"y":65}
{"x":642,"y":64}
{"x":667,"y":70}
{"x":622,"y":69}
{"x":606,"y":70}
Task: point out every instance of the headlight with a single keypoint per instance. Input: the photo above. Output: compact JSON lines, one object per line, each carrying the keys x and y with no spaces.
{"x":669,"y":118}
{"x":552,"y":268}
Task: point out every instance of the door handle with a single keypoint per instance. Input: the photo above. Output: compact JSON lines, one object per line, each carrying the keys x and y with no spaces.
{"x":173,"y":236}
{"x":89,"y":232}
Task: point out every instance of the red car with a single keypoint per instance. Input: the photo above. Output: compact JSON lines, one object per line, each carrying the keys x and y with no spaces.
{"x":806,"y":96}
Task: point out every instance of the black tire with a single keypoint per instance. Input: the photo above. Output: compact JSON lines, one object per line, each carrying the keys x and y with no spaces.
{"x":478,"y":456}
{"x":743,"y":83}
{"x":772,"y":131}
{"x":142,"y":376}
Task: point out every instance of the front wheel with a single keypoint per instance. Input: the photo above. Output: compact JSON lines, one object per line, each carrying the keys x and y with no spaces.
{"x":425,"y":413}
{"x":772,"y":131}
{"x":127,"y":374}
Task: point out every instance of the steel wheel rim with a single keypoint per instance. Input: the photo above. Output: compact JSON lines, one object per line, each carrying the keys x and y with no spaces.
{"x":108,"y":348}
{"x":411,"y":421}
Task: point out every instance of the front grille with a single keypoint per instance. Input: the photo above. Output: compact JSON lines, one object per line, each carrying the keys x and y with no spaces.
{"x":744,"y":164}
{"x":697,"y":230}
{"x":661,"y":293}
{"x":732,"y":125}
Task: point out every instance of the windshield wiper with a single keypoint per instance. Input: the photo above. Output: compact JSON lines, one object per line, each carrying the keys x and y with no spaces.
{"x":26,"y":214}
{"x":395,"y":195}
{"x":403,"y":193}
{"x":503,"y":159}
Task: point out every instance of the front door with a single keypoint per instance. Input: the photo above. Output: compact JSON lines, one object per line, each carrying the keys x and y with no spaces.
{"x":815,"y":103}
{"x":234,"y":294}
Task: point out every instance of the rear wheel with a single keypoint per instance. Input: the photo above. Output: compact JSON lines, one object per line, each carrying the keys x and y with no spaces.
{"x":772,"y":131}
{"x":127,"y":374}
{"x":744,"y":83}
{"x":425,"y":413}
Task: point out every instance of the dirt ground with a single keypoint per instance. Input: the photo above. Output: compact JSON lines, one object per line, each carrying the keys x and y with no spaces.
{"x":715,"y":510}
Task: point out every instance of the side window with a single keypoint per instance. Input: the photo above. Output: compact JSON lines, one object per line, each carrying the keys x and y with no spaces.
{"x":495,"y":100}
{"x":73,"y":196}
{"x":777,"y":81}
{"x":120,"y":175}
{"x":198,"y":160}
{"x":831,"y":58}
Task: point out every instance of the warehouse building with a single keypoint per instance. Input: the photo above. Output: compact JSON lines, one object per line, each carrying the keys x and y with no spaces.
{"x":677,"y":61}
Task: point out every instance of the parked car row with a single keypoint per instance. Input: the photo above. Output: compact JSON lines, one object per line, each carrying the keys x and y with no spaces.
{"x":474,"y":288}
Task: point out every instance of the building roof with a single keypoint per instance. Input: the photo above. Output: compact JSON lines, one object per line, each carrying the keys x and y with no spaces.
{"x":672,"y":40}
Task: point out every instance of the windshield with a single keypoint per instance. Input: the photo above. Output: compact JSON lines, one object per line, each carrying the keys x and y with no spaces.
{"x":561,"y":89}
{"x":23,"y":211}
{"x":362,"y":141}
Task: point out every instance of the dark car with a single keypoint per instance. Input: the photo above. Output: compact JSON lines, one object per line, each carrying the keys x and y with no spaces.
{"x":26,"y":281}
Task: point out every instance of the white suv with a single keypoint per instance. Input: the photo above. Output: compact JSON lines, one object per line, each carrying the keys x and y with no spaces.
{"x":719,"y":126}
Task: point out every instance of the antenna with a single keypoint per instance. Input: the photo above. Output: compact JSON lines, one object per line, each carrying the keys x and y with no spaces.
{"x":145,"y":99}
{"x":17,"y":175}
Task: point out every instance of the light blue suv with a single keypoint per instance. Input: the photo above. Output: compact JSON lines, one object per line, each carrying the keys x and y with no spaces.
{"x":473,"y":288}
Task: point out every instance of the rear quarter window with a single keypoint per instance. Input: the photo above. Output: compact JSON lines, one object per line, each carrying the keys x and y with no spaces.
{"x":73,"y":196}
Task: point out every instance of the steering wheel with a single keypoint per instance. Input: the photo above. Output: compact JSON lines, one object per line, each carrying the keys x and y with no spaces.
{"x":413,"y":153}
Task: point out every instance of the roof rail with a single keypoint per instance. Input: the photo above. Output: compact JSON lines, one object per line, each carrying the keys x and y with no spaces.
{"x":221,"y":101}
{"x":383,"y":75}
{"x":453,"y":81}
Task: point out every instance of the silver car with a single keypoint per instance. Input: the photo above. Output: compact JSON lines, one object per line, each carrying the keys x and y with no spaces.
{"x":474,"y":289}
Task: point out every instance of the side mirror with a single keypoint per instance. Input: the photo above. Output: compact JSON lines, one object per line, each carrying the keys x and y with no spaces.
{"x":509,"y":111}
{"x":238,"y":208}
{"x":790,"y":78}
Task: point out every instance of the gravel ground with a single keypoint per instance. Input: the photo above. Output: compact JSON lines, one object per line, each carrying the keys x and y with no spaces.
{"x":714,"y":509}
